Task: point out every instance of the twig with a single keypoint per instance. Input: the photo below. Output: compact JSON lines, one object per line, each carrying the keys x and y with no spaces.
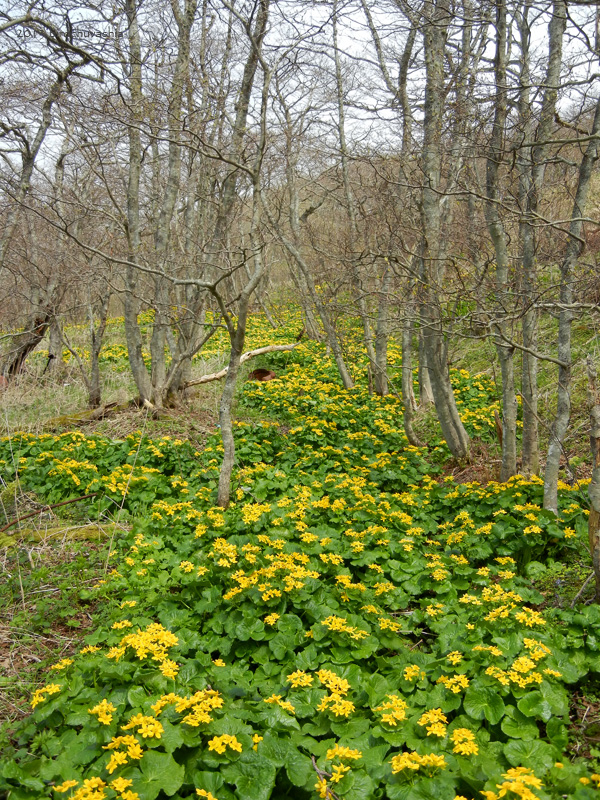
{"x":582,"y":590}
{"x":47,"y":508}
{"x":21,"y":585}
{"x":322,"y":775}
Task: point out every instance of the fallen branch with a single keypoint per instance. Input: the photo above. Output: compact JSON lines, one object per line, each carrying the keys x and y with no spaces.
{"x":582,"y":590}
{"x":47,"y":508}
{"x":92,"y":415}
{"x":216,"y":376}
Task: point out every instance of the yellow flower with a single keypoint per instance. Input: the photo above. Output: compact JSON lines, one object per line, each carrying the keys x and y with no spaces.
{"x":276,"y":699}
{"x":338,"y":771}
{"x":300,"y":678}
{"x":40,"y":694}
{"x":117,"y":759}
{"x":414,"y":762}
{"x":124,"y":623}
{"x":343,"y":753}
{"x":62,"y":664}
{"x":104,"y":711}
{"x":221,"y":743}
{"x":120,"y":784}
{"x":464,"y":742}
{"x":64,"y":787}
{"x":413,"y":671}
{"x":148,"y":727}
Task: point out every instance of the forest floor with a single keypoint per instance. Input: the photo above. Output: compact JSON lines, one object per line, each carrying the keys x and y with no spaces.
{"x":301,"y":442}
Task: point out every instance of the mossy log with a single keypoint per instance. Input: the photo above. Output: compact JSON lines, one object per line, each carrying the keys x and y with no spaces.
{"x":92,"y":532}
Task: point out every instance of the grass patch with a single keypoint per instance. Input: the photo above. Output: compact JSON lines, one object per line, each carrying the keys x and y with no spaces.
{"x":44,"y":612}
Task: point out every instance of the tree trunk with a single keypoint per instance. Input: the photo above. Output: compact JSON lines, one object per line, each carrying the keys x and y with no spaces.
{"x":29,"y":156}
{"x":531,"y":185}
{"x":310,"y":321}
{"x":594,"y":487}
{"x":382,"y":334}
{"x":425,"y":391}
{"x":574,"y":248}
{"x":408,"y":395}
{"x":499,"y":240}
{"x":225,"y":422}
{"x":330,"y":331}
{"x":437,"y":19}
{"x":133,"y":336}
{"x":22,"y":344}
{"x":55,"y":344}
{"x":96,"y":336}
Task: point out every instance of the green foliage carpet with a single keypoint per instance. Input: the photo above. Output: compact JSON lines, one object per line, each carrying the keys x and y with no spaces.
{"x":353,"y":626}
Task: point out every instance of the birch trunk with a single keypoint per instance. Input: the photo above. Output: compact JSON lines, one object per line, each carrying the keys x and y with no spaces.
{"x":425,"y":391}
{"x":531,"y":185}
{"x":594,"y":487}
{"x":572,"y":253}
{"x":361,"y":303}
{"x":437,"y":19}
{"x":408,"y":395}
{"x":161,"y":328}
{"x":498,"y":236}
{"x":382,"y":334}
{"x":133,"y":336}
{"x":237,"y":332}
{"x":55,"y":345}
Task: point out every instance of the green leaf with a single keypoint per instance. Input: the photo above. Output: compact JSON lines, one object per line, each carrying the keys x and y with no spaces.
{"x":534,"y":705}
{"x":171,"y":737}
{"x":160,"y":772}
{"x":530,"y":753}
{"x":557,"y":732}
{"x":253,"y":778}
{"x":299,"y":768}
{"x":362,"y":788}
{"x":484,"y":703}
{"x":516,"y":725}
{"x":437,"y":788}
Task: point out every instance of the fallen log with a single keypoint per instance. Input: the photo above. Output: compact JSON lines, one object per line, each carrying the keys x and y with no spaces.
{"x":91,"y":415}
{"x":89,"y":532}
{"x":216,"y":376}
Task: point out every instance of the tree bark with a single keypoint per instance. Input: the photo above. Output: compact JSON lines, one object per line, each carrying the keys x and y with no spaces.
{"x":531,"y":185}
{"x":569,"y":262}
{"x":594,"y":487}
{"x":24,"y":343}
{"x":133,"y":334}
{"x":498,"y":236}
{"x":361,"y":302}
{"x":437,"y":19}
{"x":408,"y":395}
{"x":425,"y":391}
{"x":382,"y":333}
{"x":55,"y":344}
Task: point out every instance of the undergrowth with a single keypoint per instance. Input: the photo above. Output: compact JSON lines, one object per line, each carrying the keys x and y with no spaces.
{"x":357,"y":624}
